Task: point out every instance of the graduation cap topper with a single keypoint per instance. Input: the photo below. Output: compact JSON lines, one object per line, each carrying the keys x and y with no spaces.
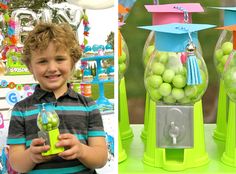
{"x":172,"y":13}
{"x":178,"y":37}
{"x":233,"y":29}
{"x":175,"y":37}
{"x":229,"y":15}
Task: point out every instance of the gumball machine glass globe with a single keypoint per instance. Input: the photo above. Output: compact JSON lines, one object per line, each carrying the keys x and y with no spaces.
{"x":149,"y":47}
{"x":166,"y":78}
{"x":47,"y":119}
{"x":224,"y":47}
{"x":229,"y":76}
{"x":123,"y":59}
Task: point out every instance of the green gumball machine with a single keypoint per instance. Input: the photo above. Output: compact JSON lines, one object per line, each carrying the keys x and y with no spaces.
{"x":229,"y":82}
{"x":165,"y":14}
{"x":175,"y":139}
{"x":48,"y":123}
{"x":224,"y":47}
{"x":126,"y":132}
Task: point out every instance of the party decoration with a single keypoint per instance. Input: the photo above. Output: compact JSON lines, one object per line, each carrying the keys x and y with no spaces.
{"x":86,"y":29}
{"x":124,"y":8}
{"x":46,"y":15}
{"x":26,"y":20}
{"x":14,"y":64}
{"x":1,"y":121}
{"x":93,"y":4}
{"x":69,"y":13}
{"x":13,"y":97}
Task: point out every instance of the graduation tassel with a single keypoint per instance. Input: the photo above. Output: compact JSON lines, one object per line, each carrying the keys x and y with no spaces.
{"x":193,"y":72}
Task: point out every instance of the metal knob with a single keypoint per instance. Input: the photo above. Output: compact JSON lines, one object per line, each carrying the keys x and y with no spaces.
{"x":174,"y":132}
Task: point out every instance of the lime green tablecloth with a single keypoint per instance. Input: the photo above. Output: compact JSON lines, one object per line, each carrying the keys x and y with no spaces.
{"x":135,"y":148}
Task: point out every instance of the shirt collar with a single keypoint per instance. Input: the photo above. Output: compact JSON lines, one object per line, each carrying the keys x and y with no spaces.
{"x":50,"y":97}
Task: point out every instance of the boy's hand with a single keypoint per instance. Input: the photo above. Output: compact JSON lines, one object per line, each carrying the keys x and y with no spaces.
{"x":36,"y":148}
{"x":73,"y":146}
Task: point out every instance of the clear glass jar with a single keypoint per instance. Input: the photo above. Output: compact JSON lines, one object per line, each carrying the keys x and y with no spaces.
{"x":47,"y":119}
{"x":224,"y":47}
{"x":123,"y":58}
{"x":166,"y":78}
{"x":149,"y":47}
{"x":229,"y":76}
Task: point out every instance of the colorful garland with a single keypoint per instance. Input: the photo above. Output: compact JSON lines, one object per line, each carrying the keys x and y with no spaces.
{"x":86,"y":29}
{"x":8,"y":29}
{"x":19,"y":87}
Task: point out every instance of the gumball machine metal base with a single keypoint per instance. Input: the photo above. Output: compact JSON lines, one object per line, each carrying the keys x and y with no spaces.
{"x":52,"y":139}
{"x":172,"y":158}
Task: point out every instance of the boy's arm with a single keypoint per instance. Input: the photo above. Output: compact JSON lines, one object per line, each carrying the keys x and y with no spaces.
{"x":23,"y":160}
{"x":95,"y":154}
{"x":19,"y":158}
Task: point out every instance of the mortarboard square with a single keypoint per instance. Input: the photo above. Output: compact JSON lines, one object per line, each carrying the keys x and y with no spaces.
{"x":229,"y":15}
{"x":175,"y":37}
{"x":171,"y":13}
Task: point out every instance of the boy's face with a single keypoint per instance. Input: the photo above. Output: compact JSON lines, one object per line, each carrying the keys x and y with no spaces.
{"x":52,"y":68}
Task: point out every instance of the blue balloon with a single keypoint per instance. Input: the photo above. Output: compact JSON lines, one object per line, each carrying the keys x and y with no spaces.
{"x":87,"y":72}
{"x":87,"y":48}
{"x":101,"y":47}
{"x":110,"y":69}
{"x":101,"y":70}
{"x":108,"y":46}
{"x":95,"y":47}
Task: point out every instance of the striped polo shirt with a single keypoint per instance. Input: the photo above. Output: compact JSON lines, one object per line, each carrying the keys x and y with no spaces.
{"x":78,"y":115}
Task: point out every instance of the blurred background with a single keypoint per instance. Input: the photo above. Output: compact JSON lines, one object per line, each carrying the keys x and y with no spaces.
{"x":136,"y":38}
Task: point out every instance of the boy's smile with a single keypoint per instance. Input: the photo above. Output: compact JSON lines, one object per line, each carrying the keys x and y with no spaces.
{"x":52,"y":68}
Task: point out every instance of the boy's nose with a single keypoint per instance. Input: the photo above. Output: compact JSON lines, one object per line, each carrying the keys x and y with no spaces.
{"x":52,"y":66}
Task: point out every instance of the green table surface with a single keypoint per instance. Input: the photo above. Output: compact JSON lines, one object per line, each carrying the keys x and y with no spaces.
{"x":135,"y":148}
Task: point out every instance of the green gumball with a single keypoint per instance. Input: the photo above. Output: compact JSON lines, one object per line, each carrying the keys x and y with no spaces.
{"x":154,"y":81}
{"x":157,"y":68}
{"x":191,"y":91}
{"x":227,"y":47}
{"x":169,"y":99}
{"x":165,"y":89}
{"x":177,"y":93}
{"x":168,"y":75}
{"x":122,"y":68}
{"x":155,"y":94}
{"x":122,"y":58}
{"x":179,"y":81}
{"x":219,"y":54}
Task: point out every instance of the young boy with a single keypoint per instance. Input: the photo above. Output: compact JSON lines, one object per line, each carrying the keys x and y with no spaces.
{"x":50,"y":52}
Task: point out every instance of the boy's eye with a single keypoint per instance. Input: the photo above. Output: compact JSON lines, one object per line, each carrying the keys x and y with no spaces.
{"x":42,"y":61}
{"x":59,"y":58}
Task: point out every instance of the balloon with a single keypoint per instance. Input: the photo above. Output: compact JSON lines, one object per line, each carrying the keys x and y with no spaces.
{"x":69,"y":13}
{"x":46,"y":15}
{"x":93,"y":4}
{"x":26,"y":20}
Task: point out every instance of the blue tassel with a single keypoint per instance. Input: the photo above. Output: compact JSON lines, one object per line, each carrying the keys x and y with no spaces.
{"x":193,"y":72}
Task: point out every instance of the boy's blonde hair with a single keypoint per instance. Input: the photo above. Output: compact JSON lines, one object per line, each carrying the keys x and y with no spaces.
{"x":61,"y":35}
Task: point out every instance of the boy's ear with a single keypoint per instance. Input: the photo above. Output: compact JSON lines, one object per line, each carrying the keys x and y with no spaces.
{"x":30,"y":69}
